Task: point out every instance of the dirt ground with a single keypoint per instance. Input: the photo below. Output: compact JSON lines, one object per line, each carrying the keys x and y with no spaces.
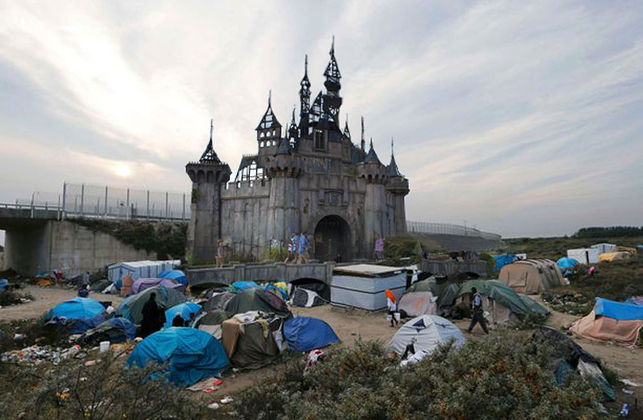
{"x":45,"y":299}
{"x":351,"y":325}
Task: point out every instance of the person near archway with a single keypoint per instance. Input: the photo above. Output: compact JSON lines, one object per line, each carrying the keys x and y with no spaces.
{"x":303,"y":246}
{"x":379,"y":248}
{"x":292,"y":249}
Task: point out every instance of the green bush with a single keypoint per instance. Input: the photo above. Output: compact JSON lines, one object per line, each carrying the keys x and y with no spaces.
{"x":505,"y":376}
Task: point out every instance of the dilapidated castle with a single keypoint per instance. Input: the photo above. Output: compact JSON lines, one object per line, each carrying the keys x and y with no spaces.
{"x":307,"y":176}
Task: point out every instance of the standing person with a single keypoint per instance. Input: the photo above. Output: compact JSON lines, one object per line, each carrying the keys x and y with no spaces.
{"x":152,"y":320}
{"x":219,"y":257}
{"x":86,"y":278}
{"x":477,"y":312}
{"x":292,"y":251}
{"x":391,"y":304}
{"x":379,"y":248}
{"x":303,"y":247}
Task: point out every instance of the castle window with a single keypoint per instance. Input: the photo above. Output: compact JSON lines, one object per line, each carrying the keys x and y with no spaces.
{"x":320,"y":144}
{"x":261,"y":144}
{"x":261,"y":134}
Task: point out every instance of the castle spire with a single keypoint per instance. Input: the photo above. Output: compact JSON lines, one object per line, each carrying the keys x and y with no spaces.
{"x":269,"y":120}
{"x":393,"y":169}
{"x":363,"y":142}
{"x":371,"y":156}
{"x":304,"y":90}
{"x":332,"y":100}
{"x":347,"y":132}
{"x":209,"y":156}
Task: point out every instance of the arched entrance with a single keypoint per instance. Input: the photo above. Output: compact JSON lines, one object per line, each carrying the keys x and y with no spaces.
{"x":333,"y":239}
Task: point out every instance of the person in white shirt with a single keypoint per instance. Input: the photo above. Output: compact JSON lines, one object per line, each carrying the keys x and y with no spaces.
{"x":391,"y":304}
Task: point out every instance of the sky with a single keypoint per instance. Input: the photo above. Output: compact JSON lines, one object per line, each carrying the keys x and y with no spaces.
{"x":524,"y":119}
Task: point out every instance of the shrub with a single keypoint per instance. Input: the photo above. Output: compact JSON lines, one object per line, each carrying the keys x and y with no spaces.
{"x":504,"y":376}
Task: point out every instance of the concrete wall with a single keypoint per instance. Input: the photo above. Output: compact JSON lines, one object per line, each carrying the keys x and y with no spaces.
{"x":66,"y":246}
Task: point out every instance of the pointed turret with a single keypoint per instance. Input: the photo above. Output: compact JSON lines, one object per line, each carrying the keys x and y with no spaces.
{"x":269,"y":129}
{"x":393,"y":169}
{"x":371,"y":156}
{"x":304,"y":90}
{"x":332,"y":100}
{"x":292,"y":128}
{"x":209,"y":155}
{"x":347,"y":132}
{"x":363,"y":142}
{"x":269,"y":120}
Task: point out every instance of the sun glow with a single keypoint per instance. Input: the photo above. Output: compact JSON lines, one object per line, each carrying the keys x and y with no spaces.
{"x":122,"y":170}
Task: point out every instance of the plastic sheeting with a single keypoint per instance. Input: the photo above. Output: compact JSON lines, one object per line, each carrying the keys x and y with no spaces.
{"x":618,"y":310}
{"x":306,"y":334}
{"x":191,"y":355}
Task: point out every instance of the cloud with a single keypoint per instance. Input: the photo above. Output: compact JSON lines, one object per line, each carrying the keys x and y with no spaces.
{"x":521,"y":120}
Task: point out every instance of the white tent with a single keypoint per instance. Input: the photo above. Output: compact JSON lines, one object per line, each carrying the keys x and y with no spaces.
{"x":139,"y":269}
{"x":426,"y":332}
{"x":584,"y":255}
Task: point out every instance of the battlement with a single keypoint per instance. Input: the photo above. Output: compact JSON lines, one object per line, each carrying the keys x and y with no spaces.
{"x":259,"y":188}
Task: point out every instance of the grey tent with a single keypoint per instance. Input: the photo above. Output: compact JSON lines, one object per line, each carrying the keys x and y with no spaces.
{"x":210,"y":322}
{"x":305,"y":298}
{"x":426,"y":332}
{"x":250,"y":343}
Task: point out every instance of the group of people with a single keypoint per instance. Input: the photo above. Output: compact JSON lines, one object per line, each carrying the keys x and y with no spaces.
{"x":298,"y":249}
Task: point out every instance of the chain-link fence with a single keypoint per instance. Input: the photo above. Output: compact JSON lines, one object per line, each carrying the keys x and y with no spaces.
{"x":448,"y":229}
{"x":82,"y":200}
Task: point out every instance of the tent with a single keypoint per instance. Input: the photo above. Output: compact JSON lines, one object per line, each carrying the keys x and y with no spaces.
{"x":132,"y":306}
{"x":604,"y":247}
{"x":218,"y":301}
{"x":426,"y":332}
{"x":238,"y":286}
{"x":305,"y":298}
{"x":426,"y":285}
{"x":257,"y":300}
{"x":249,"y":339}
{"x":317,"y":286}
{"x":501,"y":301}
{"x":566,"y":262}
{"x":531,"y":276}
{"x":210,"y":322}
{"x":190,"y":354}
{"x":176,"y":275}
{"x":503,"y":259}
{"x":615,"y":321}
{"x":417,"y":303}
{"x":613,"y":256}
{"x":145,"y":283}
{"x":183,"y":309}
{"x":76,"y":308}
{"x":114,"y":330}
{"x":584,"y":255}
{"x":306,"y":334}
{"x":280,"y":289}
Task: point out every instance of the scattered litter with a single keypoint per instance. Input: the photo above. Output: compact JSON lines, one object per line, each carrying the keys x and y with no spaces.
{"x":206,"y":385}
{"x":37,"y":354}
{"x":628,"y":391}
{"x":226,"y":400}
{"x":625,"y":410}
{"x":214,"y":406}
{"x":629,"y":383}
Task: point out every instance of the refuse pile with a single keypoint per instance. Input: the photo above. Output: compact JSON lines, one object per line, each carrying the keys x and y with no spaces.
{"x":37,"y":354}
{"x":571,"y":303}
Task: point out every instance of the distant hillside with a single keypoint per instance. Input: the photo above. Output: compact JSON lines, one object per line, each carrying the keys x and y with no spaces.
{"x":555,"y":248}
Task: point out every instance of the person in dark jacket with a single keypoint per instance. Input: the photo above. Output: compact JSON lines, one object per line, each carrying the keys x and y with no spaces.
{"x":477,"y":312}
{"x":153,"y":317}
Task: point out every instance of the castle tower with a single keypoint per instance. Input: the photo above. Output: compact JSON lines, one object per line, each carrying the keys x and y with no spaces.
{"x":268,"y":131}
{"x":208,"y":176}
{"x":332,"y":100}
{"x":375,"y":175}
{"x":398,"y":186}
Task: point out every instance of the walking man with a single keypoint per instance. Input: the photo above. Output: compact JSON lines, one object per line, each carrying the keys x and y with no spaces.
{"x":219,"y":257}
{"x":477,"y":312}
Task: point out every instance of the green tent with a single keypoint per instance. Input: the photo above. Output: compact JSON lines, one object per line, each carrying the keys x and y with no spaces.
{"x":256,"y":346}
{"x":257,"y":300}
{"x":132,"y":307}
{"x":427,"y":285}
{"x":505,"y":295}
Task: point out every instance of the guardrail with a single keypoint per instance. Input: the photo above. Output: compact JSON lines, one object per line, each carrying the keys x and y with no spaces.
{"x":448,"y":229}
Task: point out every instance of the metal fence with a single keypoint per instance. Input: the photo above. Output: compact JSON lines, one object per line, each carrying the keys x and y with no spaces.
{"x":83,"y":200}
{"x":448,"y":229}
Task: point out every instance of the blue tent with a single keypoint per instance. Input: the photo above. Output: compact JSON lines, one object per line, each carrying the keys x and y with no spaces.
{"x":176,"y":275}
{"x":183,"y":309}
{"x":76,"y":308}
{"x":502,"y":260}
{"x":618,"y":310}
{"x":238,"y":286}
{"x":305,"y":334}
{"x":567,"y":263}
{"x":80,"y":325}
{"x":191,"y":355}
{"x":277,"y":290}
{"x":3,"y":284}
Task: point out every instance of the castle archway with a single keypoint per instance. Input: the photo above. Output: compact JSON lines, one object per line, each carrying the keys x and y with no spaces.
{"x":333,"y":239}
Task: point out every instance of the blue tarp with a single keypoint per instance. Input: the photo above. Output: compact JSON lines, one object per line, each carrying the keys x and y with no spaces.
{"x":618,"y":310}
{"x":124,"y":324}
{"x":502,"y":260}
{"x":191,"y":355}
{"x":567,"y":262}
{"x":306,"y":334}
{"x":3,"y":284}
{"x":76,"y":308}
{"x":238,"y":286}
{"x":80,"y":325}
{"x":183,"y":309}
{"x":176,"y":275}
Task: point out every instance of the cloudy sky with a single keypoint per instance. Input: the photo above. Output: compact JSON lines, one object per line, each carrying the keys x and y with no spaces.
{"x":520,"y":119}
